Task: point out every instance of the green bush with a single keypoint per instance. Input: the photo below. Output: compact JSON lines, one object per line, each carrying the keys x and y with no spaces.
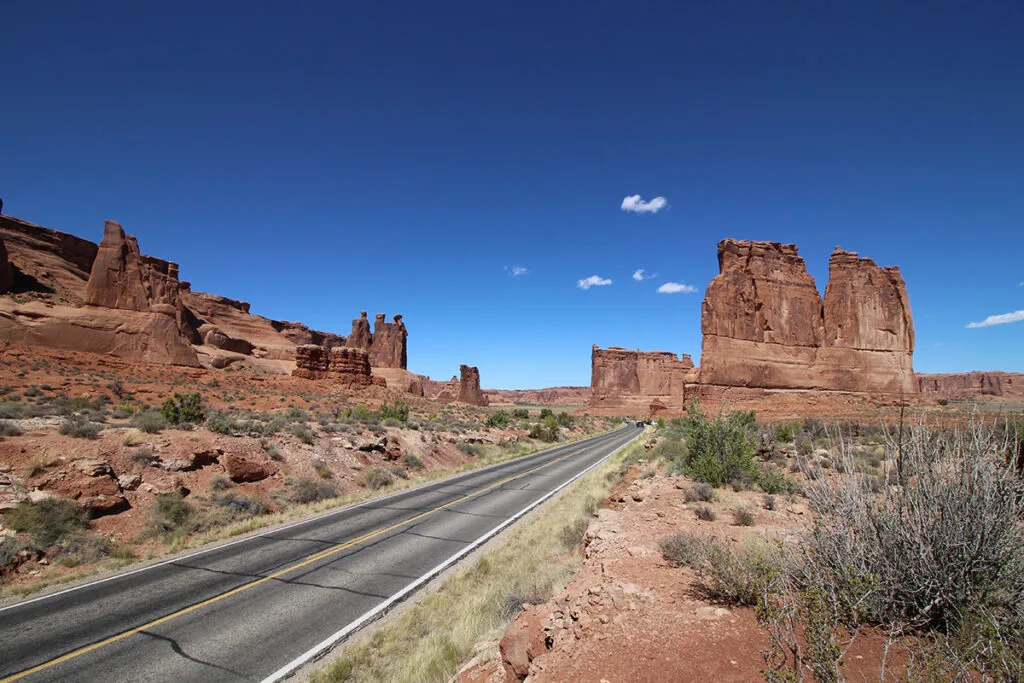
{"x":304,"y":433}
{"x":521,"y":414}
{"x":719,"y":449}
{"x":564,"y":419}
{"x":377,"y":478}
{"x":547,"y":430}
{"x":81,"y":548}
{"x":771,"y":480}
{"x":48,"y":521}
{"x":787,"y":432}
{"x":184,"y":408}
{"x":149,"y":421}
{"x":412,"y":462}
{"x":241,"y":506}
{"x":473,"y":449}
{"x":499,"y":418}
{"x":399,"y":410}
{"x":546,"y":413}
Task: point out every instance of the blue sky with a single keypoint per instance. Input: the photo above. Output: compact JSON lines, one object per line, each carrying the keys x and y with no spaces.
{"x":317,"y":159}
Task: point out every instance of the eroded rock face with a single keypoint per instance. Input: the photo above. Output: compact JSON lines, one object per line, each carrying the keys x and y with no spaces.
{"x":469,"y":386}
{"x":6,"y":271}
{"x":361,"y":337}
{"x":116,"y":277}
{"x":634,"y":380}
{"x":388,"y":349}
{"x":766,"y":326}
{"x":970,"y":385}
{"x":343,"y":365}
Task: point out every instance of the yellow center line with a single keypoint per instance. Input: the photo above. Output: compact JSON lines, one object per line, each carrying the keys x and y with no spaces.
{"x":270,"y":577}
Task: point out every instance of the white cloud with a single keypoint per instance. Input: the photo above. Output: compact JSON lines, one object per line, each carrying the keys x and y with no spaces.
{"x":641,"y":274}
{"x":1002,"y":319}
{"x":520,"y":270}
{"x":593,"y":281}
{"x":636,"y":204}
{"x":676,"y":288}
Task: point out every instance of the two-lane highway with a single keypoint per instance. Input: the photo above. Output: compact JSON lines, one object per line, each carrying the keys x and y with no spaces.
{"x":255,"y":608}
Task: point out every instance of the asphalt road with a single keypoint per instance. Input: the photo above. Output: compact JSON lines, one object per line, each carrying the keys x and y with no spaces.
{"x":248,"y":609}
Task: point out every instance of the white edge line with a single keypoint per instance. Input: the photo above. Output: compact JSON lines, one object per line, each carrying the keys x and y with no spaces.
{"x":324,"y":646}
{"x":275,"y":530}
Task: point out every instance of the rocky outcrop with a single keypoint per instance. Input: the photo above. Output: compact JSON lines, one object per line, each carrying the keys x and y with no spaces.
{"x":116,"y":277}
{"x":343,"y":365}
{"x":6,"y":271}
{"x":766,"y":326}
{"x":361,"y":337}
{"x":55,"y":261}
{"x":464,"y":388}
{"x":388,"y":349}
{"x":625,"y":380}
{"x":565,"y":396}
{"x":469,"y":386}
{"x":967,"y":385}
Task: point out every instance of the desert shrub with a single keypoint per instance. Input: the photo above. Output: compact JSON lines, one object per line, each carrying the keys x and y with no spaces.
{"x":303,"y":433}
{"x":564,"y":419}
{"x":498,"y":418}
{"x":546,"y":413}
{"x":391,"y":422}
{"x":572,"y":534}
{"x":149,"y":421}
{"x":743,"y":517}
{"x":719,"y":450}
{"x":239,"y":505}
{"x":773,"y":481}
{"x":398,"y":471}
{"x":221,"y":483}
{"x":706,"y":514}
{"x":412,"y":462}
{"x":48,"y":521}
{"x":787,"y":432}
{"x":768,"y":502}
{"x":295,"y":413}
{"x":116,"y":387}
{"x":734,"y":575}
{"x":672,"y":451}
{"x":172,"y":513}
{"x":124,"y":410}
{"x":271,"y":449}
{"x":700,"y":492}
{"x":473,"y":449}
{"x":521,"y":414}
{"x":9,"y":429}
{"x":184,"y":408}
{"x":322,"y":469}
{"x":399,"y":410}
{"x":308,"y":490}
{"x":547,"y":430}
{"x":143,"y":456}
{"x":377,"y":478}
{"x":79,"y":428}
{"x":82,"y":548}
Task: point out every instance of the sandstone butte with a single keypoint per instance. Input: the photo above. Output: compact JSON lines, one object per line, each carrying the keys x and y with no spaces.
{"x":766,"y":328}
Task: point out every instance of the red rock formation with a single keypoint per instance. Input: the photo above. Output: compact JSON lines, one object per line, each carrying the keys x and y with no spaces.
{"x":6,"y":272}
{"x":565,"y":396}
{"x":968,"y":385}
{"x":388,"y":347}
{"x":116,"y":277}
{"x":469,"y":386}
{"x":624,"y":380}
{"x":343,"y":365}
{"x":765,"y":325}
{"x":360,"y":338}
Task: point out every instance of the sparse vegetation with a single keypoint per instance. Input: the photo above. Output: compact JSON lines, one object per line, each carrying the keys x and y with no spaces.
{"x":184,"y":408}
{"x":312,"y":490}
{"x":79,"y":428}
{"x":48,"y":521}
{"x":378,"y":478}
{"x":149,"y":421}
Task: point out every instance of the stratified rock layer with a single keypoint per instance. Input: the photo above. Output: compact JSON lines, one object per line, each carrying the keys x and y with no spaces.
{"x":343,"y":365}
{"x":966,"y":385}
{"x":636,"y":380}
{"x":765,"y":326}
{"x":6,"y":272}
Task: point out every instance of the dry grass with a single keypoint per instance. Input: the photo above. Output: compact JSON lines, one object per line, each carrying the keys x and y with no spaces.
{"x":428,"y":642}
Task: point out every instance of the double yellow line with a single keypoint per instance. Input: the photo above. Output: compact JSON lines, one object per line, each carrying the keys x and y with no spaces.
{"x":270,"y":577}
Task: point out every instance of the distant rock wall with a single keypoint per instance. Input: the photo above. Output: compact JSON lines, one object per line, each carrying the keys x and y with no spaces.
{"x":567,"y":396}
{"x":638,"y":381}
{"x":342,"y":365}
{"x":765,"y":325}
{"x":966,"y":385}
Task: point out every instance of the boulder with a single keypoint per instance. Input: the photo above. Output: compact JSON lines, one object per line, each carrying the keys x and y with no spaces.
{"x":524,"y":641}
{"x":242,"y":468}
{"x":129,"y":482}
{"x":6,"y":270}
{"x":218,"y":339}
{"x":102,"y":505}
{"x":12,"y":492}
